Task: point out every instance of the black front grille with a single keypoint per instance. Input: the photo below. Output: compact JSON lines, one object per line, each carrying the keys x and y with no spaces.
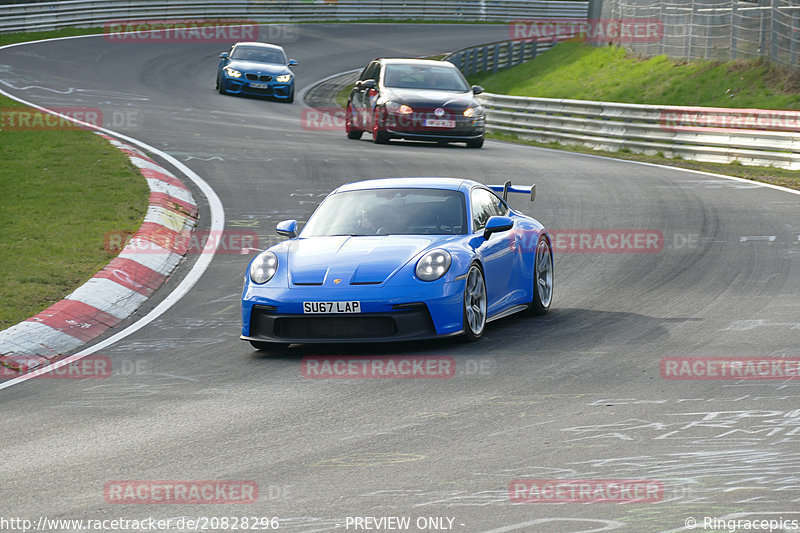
{"x":256,"y":77}
{"x":339,"y":327}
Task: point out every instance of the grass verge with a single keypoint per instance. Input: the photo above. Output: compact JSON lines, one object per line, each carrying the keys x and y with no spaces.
{"x":576,"y":71}
{"x":62,"y":191}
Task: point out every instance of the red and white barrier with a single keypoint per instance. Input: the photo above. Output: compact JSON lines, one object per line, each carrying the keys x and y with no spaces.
{"x":118,"y":290}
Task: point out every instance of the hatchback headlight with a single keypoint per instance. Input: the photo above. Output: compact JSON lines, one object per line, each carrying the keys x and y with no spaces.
{"x":233,"y":73}
{"x":433,"y":265}
{"x":283,"y":78}
{"x":263,"y":267}
{"x":398,"y":108}
{"x":476,"y":111}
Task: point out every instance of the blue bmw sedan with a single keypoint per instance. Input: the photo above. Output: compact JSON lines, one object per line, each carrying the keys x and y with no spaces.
{"x":257,"y":69}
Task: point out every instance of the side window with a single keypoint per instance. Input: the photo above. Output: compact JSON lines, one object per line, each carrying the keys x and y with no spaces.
{"x":485,"y":204}
{"x":372,"y":71}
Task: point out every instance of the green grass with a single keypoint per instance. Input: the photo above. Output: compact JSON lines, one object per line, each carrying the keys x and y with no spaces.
{"x":576,"y":71}
{"x":9,"y":38}
{"x":62,"y":192}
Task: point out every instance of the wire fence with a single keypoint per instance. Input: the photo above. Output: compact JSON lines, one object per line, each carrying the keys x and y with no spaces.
{"x":716,"y":29}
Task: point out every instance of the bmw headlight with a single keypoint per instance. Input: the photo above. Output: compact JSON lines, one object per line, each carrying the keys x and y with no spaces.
{"x":476,"y":111}
{"x":283,"y":78}
{"x":398,"y":108}
{"x":433,"y":265}
{"x":233,"y":73}
{"x":263,"y":267}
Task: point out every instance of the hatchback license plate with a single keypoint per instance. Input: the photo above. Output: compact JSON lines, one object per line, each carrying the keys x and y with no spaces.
{"x":439,"y":123}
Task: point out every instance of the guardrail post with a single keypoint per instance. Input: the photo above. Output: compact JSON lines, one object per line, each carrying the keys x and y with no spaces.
{"x":485,"y":51}
{"x":496,"y":58}
{"x":473,"y":66}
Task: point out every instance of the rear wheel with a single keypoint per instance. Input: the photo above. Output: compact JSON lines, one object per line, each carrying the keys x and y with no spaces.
{"x":378,"y":135}
{"x":474,"y":304}
{"x":352,"y":131}
{"x":542,"y":277}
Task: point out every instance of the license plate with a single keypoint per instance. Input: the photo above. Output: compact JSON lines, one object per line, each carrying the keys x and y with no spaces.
{"x":440,"y":123}
{"x":259,"y":85}
{"x":327,"y":308}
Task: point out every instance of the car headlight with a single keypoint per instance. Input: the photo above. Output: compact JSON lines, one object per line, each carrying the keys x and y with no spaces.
{"x":398,"y":108}
{"x":263,"y":267}
{"x":233,"y":73}
{"x":283,"y":78}
{"x":476,"y":111}
{"x":433,"y":265}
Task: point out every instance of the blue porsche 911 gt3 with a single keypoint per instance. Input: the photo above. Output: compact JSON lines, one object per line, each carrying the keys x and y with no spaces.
{"x":257,"y":69}
{"x":399,"y":259}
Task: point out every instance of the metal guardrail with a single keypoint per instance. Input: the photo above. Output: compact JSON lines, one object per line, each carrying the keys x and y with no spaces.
{"x":747,"y":136}
{"x":53,"y":15}
{"x":498,"y":55}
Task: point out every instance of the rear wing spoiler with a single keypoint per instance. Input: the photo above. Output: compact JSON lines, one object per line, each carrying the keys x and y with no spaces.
{"x":507,"y":188}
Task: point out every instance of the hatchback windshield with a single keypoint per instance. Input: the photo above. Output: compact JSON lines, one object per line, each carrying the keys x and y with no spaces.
{"x":440,"y":78}
{"x":262,"y":55}
{"x":390,"y":212}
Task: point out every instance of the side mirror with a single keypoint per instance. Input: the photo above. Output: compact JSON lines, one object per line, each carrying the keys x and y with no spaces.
{"x":477,"y":89}
{"x":497,"y":224}
{"x":287,"y":228}
{"x":292,"y":62}
{"x":368,"y":84}
{"x":224,"y":55}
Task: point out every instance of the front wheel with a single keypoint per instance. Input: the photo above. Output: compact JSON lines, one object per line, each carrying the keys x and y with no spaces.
{"x":542,"y":277}
{"x":352,"y":131}
{"x":475,"y":143}
{"x":221,"y":86}
{"x":290,"y":99}
{"x":474,"y":304}
{"x":378,"y":135}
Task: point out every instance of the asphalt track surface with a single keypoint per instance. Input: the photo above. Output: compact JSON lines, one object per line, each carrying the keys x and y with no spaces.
{"x":577,"y":394}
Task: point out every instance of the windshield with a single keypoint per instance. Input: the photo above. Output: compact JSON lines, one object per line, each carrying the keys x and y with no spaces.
{"x":390,"y":212}
{"x":262,"y":55}
{"x":439,"y":78}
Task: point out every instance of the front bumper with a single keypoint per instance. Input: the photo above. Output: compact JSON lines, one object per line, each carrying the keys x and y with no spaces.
{"x":413,"y":127}
{"x":410,"y":313}
{"x":243,"y":86}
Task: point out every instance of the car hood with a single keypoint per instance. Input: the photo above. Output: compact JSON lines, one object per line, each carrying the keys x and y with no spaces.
{"x":426,"y":98}
{"x":254,"y":67}
{"x":352,"y":260}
